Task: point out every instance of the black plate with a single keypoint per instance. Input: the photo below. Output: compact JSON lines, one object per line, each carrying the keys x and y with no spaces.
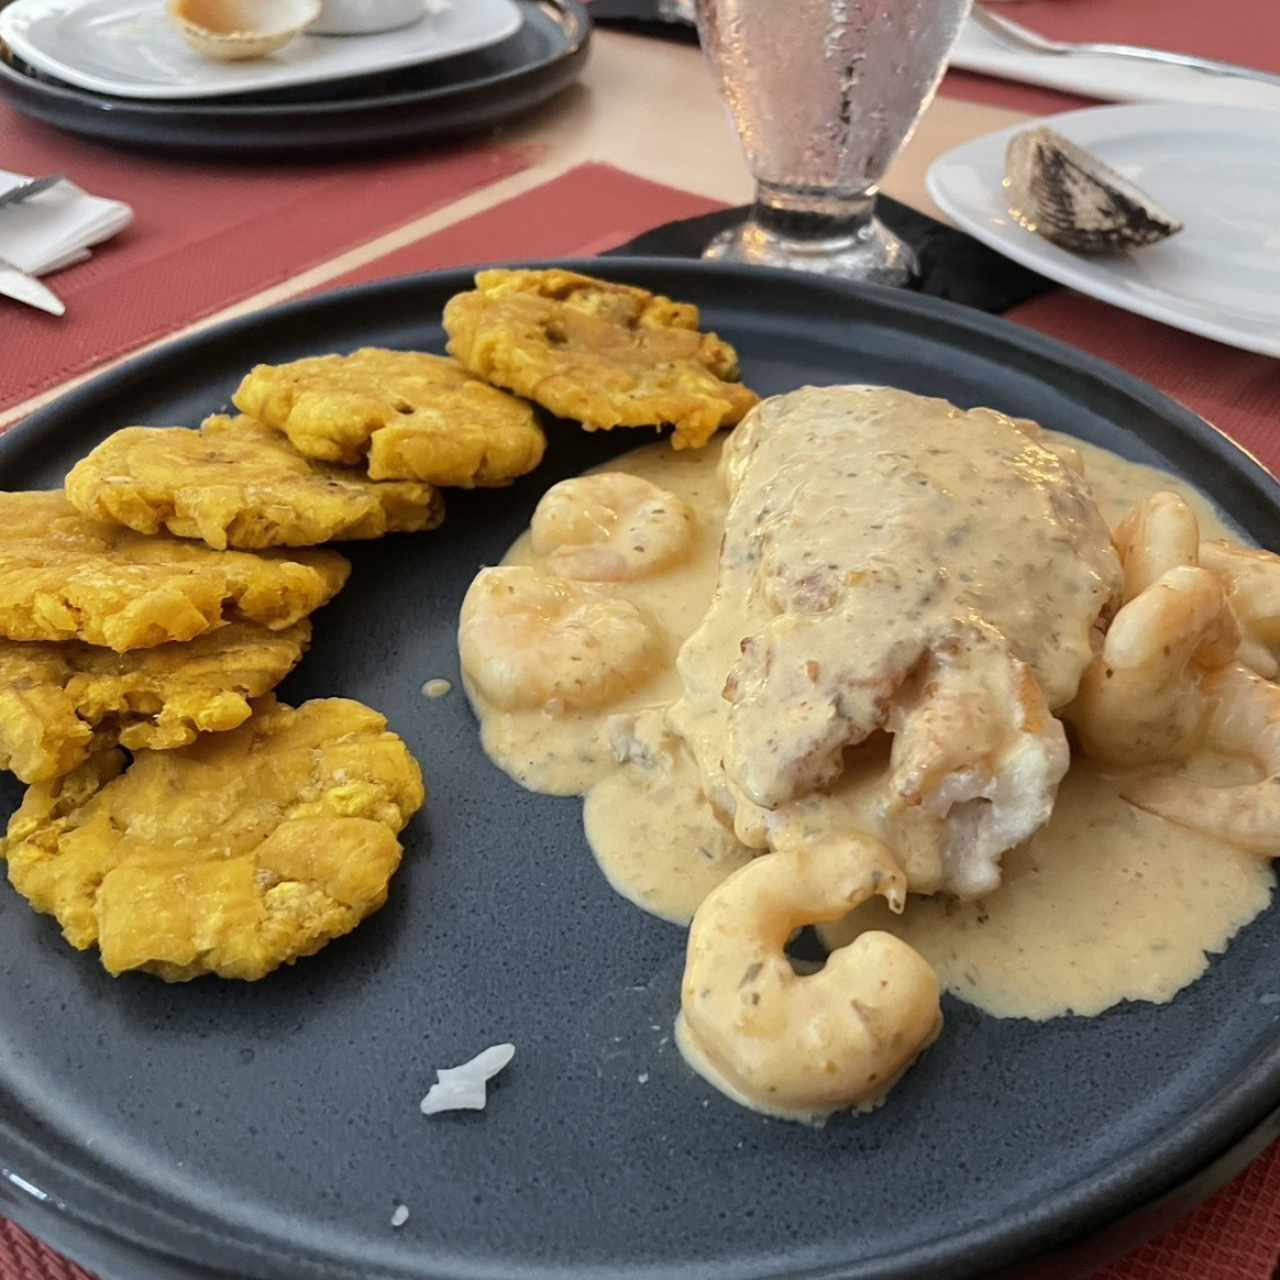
{"x":268,"y":1130}
{"x":394,"y":108}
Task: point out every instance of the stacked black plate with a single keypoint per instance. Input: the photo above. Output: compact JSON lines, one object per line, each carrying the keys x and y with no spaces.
{"x":266,"y":1131}
{"x":471,"y":92}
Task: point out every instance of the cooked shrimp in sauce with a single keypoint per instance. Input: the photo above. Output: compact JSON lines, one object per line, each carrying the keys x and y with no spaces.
{"x":880,"y":634}
{"x":610,"y":527}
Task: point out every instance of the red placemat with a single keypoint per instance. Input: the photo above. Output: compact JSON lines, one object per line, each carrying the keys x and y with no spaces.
{"x":1235,"y":390}
{"x":1235,"y":1235}
{"x":205,"y":236}
{"x":1246,"y":32}
{"x":23,"y":1257}
{"x":585,"y":211}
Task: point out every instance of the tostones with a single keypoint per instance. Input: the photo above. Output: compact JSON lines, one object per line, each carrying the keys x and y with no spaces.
{"x":231,"y":856}
{"x":60,"y":702}
{"x":607,"y":355}
{"x":414,"y":416}
{"x":64,"y":577}
{"x":237,"y":483}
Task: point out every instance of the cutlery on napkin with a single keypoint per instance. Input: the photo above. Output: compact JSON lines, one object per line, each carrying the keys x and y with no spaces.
{"x":53,"y":228}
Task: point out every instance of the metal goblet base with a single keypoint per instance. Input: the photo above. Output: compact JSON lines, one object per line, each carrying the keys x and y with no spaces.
{"x":871,"y":254}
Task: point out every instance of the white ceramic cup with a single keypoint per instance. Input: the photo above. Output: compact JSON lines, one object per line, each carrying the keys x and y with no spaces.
{"x":360,"y":17}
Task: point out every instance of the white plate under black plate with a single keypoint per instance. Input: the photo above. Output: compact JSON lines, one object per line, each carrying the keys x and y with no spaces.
{"x":133,"y":49}
{"x":268,"y":1130}
{"x":1216,"y":168}
{"x":461,"y":94}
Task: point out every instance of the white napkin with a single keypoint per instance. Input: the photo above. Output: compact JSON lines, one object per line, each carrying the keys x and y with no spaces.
{"x":55,"y":228}
{"x":1111,"y":79}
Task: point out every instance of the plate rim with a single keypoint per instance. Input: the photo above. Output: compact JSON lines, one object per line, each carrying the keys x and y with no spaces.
{"x":18,"y":38}
{"x":1074,"y":272}
{"x":265,"y":130}
{"x":1234,"y":1115}
{"x":237,"y":108}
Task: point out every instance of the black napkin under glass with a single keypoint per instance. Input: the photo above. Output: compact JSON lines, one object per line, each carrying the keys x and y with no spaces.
{"x":953,"y":265}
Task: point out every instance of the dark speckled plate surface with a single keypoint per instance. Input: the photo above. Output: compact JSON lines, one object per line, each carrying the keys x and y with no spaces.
{"x":267,"y":1131}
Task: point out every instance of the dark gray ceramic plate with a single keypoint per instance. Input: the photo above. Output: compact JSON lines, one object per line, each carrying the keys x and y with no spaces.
{"x":413,"y":105}
{"x":267,"y":1131}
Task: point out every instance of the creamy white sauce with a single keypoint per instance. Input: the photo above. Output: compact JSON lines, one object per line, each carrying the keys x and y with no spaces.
{"x":655,"y":836}
{"x":1104,"y":904}
{"x":566,"y":754}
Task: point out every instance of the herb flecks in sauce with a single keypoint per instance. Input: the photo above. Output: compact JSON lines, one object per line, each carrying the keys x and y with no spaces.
{"x":1104,"y":904}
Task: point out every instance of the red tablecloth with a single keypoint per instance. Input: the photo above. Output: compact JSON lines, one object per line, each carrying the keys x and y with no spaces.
{"x":23,"y":1257}
{"x":205,"y":236}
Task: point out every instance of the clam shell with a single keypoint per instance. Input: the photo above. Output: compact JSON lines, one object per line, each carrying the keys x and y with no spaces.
{"x":231,"y":30}
{"x":1068,"y":196}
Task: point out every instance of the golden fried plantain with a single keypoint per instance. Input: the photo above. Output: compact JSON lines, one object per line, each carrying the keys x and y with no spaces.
{"x":413,"y":416}
{"x":607,"y":355}
{"x":59,"y":702}
{"x":231,"y":856}
{"x":65,"y":577}
{"x":237,"y":483}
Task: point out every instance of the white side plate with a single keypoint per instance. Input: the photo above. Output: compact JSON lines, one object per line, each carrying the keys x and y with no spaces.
{"x":131,"y":49}
{"x":1216,"y":168}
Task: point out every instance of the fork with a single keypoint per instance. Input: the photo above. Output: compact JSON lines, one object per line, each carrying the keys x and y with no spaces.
{"x":25,"y":190}
{"x":1018,"y":37}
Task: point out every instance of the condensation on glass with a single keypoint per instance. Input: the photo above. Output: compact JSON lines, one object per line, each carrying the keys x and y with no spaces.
{"x":824,"y":94}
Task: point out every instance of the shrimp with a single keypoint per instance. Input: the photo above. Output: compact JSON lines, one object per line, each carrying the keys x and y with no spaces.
{"x":1243,"y":718}
{"x":1252,"y":581}
{"x":976,"y":761}
{"x":802,"y":1047}
{"x":1170,"y":675}
{"x":611,"y":527}
{"x":529,"y":640}
{"x":1159,"y":534}
{"x":1141,"y":700}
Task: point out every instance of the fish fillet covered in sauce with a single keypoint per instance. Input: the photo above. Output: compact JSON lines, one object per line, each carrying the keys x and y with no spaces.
{"x":891,"y":562}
